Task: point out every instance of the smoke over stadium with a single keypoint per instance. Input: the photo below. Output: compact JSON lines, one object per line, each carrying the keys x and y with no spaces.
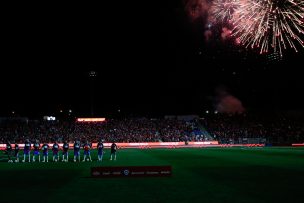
{"x":227,"y":103}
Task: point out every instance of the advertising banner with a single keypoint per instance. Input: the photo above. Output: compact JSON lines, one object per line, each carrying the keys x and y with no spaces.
{"x":131,"y":171}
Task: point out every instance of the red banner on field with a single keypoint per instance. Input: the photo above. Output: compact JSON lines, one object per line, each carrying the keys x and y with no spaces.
{"x":298,"y":145}
{"x":131,"y":171}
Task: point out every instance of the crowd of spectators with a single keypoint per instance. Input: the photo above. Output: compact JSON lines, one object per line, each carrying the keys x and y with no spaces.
{"x":112,"y":130}
{"x":270,"y":129}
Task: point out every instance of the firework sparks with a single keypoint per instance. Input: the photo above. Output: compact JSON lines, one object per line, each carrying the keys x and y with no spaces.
{"x":222,"y":10}
{"x":266,"y":25}
{"x":269,"y":24}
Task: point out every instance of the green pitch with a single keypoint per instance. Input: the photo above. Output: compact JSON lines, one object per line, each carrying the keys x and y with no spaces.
{"x":199,"y":175}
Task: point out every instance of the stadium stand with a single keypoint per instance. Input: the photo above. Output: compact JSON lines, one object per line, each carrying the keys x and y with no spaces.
{"x":227,"y":129}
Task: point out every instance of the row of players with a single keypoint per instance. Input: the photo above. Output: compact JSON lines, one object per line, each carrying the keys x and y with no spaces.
{"x":55,"y":149}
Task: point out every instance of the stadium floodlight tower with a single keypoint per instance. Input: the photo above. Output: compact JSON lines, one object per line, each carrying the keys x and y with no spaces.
{"x":92,"y":78}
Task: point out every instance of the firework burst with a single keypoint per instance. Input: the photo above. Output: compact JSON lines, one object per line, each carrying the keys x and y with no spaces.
{"x":269,"y":24}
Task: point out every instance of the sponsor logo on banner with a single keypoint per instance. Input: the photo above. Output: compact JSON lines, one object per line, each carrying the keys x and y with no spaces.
{"x":132,"y":171}
{"x":126,"y":172}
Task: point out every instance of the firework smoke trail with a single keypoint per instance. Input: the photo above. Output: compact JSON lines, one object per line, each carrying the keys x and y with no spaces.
{"x":196,"y":8}
{"x":269,"y":23}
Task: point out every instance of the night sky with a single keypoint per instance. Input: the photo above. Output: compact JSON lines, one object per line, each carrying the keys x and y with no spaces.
{"x":150,"y":59}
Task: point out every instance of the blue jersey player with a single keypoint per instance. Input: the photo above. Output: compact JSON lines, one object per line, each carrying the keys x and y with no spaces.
{"x":55,"y":150}
{"x":65,"y":151}
{"x":113,"y":151}
{"x":45,"y":152}
{"x":76,"y":150}
{"x":27,"y":150}
{"x":100,"y":150}
{"x":87,"y":148}
{"x":36,"y":150}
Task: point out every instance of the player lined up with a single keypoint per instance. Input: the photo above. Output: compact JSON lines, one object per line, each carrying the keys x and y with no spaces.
{"x":55,"y":149}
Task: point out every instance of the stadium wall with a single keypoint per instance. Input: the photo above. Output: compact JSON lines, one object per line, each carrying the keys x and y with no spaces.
{"x":142,"y":145}
{"x":136,"y":145}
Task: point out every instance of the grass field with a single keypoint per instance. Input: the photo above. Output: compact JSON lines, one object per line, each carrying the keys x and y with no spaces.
{"x":199,"y":175}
